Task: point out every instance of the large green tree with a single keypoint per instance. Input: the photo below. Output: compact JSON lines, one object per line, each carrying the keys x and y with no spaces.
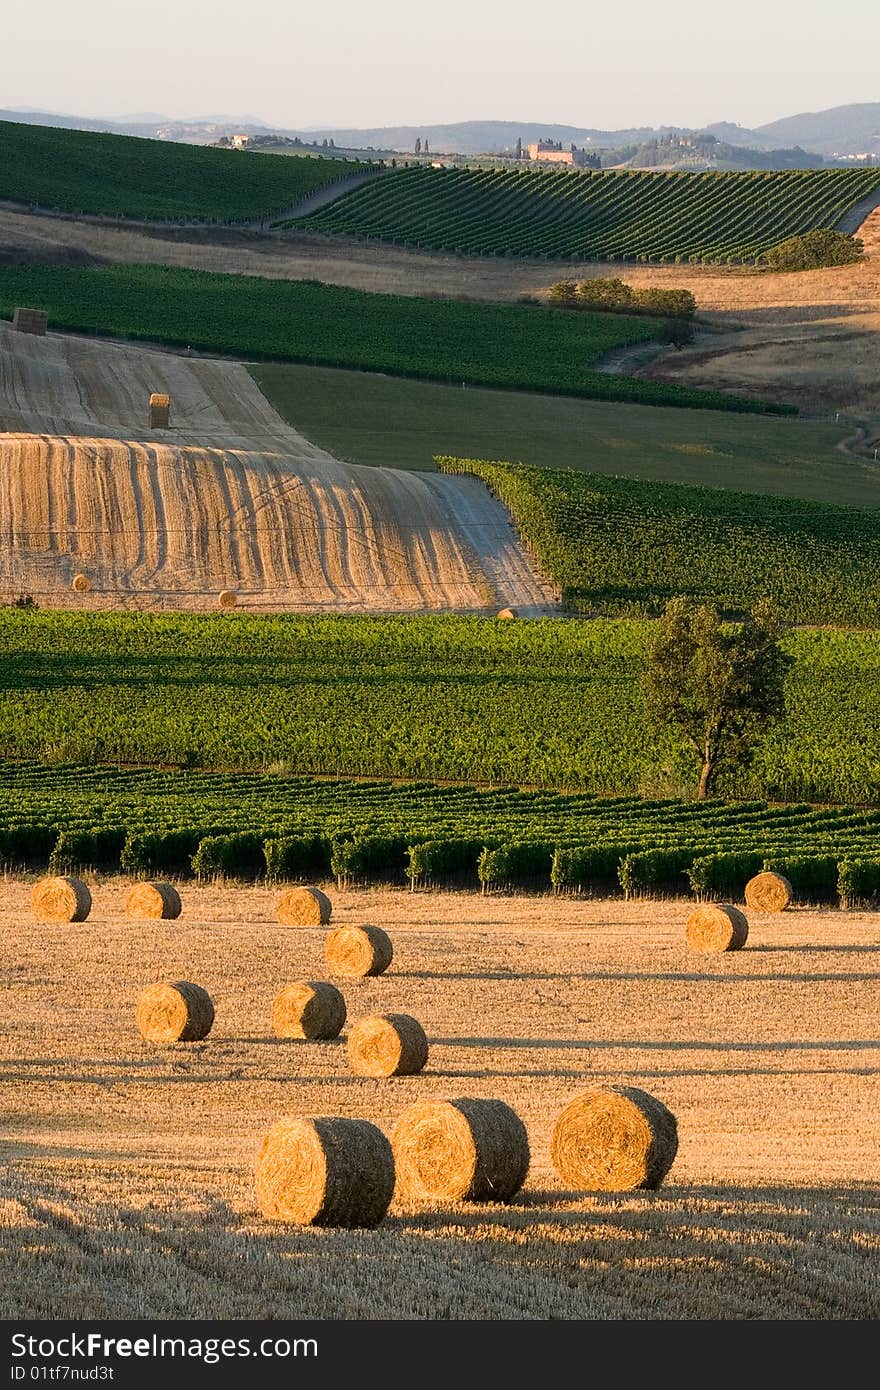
{"x":721,"y":684}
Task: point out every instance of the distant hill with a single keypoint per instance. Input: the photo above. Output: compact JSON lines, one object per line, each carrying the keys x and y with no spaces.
{"x":842,"y":130}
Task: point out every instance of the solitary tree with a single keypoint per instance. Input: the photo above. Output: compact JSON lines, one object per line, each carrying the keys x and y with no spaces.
{"x":722,"y":685}
{"x":418,"y":144}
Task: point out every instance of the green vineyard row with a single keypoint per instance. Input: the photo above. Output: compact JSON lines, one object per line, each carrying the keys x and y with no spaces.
{"x":611,"y":215}
{"x":554,"y":703}
{"x":623,"y":546}
{"x":486,"y":344}
{"x":79,"y":171}
{"x":143,"y":822}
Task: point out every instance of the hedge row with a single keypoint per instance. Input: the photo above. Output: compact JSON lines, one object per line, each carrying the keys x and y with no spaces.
{"x":537,"y":864}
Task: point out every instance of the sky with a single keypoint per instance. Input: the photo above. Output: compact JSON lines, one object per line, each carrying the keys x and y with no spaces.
{"x":398,"y":62}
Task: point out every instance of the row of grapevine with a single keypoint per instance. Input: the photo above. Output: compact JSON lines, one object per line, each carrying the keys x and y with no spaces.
{"x":505,"y":345}
{"x":246,"y":826}
{"x":611,"y":215}
{"x":79,"y":171}
{"x":552,"y":703}
{"x":621,"y":545}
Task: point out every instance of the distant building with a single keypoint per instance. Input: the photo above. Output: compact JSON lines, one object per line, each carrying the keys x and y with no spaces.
{"x":240,"y":142}
{"x":551,"y":152}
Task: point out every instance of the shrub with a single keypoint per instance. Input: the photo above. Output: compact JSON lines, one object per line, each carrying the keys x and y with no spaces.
{"x":858,"y":881}
{"x":94,"y":849}
{"x":233,"y":856}
{"x":588,"y":866}
{"x":724,"y":876}
{"x":519,"y":862}
{"x":297,"y":856}
{"x":813,"y":250}
{"x":169,"y":851}
{"x":655,"y":872}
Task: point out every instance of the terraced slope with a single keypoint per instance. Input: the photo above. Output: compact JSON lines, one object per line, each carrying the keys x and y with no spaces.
{"x":611,"y":215}
{"x":229,"y":498}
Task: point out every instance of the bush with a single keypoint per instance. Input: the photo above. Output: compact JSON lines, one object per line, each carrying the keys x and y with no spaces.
{"x":233,"y":856}
{"x":813,"y":250}
{"x":814,"y":877}
{"x":724,"y":876}
{"x":163,"y":851}
{"x":92,"y":849}
{"x":655,"y":872}
{"x":435,"y":860}
{"x":369,"y":857}
{"x":858,"y":881}
{"x":588,"y":866}
{"x":297,"y":856}
{"x":27,"y":844}
{"x":616,"y":297}
{"x":519,"y":862}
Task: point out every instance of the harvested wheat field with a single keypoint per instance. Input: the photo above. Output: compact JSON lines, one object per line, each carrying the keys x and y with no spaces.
{"x":231,"y":498}
{"x":126,"y":1168}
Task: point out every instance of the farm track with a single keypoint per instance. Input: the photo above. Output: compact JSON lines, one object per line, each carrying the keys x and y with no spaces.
{"x":230,"y":497}
{"x":127,"y":1170}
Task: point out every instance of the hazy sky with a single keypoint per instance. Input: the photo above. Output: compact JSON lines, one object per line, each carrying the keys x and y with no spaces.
{"x":395,"y":62}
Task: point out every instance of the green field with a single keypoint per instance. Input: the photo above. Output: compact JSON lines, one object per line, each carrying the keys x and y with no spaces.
{"x":621,"y":546}
{"x":447,"y":339}
{"x":404,"y":424}
{"x":611,"y":215}
{"x":141,"y":821}
{"x":80,"y":171}
{"x":554,"y":703}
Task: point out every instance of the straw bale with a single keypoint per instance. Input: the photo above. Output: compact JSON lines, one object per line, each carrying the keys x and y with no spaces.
{"x":614,"y":1139}
{"x":325,"y":1172}
{"x":303,"y":907}
{"x":61,"y":900}
{"x":159,"y":900}
{"x":717,"y":927}
{"x":353,"y":952}
{"x":460,"y":1150}
{"x":769,"y":892}
{"x":312,"y":1009}
{"x":387,"y":1045}
{"x":179,"y":1012}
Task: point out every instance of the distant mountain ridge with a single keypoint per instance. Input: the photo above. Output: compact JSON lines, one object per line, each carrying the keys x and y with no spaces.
{"x":840,"y":131}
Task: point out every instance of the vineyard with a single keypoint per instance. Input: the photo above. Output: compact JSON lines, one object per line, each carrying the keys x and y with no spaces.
{"x":447,"y":340}
{"x":550,"y":703}
{"x":612,"y":216}
{"x":622,"y":546}
{"x":76,"y":818}
{"x":79,"y":171}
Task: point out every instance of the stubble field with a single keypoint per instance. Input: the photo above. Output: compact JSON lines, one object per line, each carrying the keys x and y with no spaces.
{"x":125,"y":1170}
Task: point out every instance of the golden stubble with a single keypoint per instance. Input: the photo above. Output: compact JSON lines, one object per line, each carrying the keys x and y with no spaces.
{"x":126,"y":1169}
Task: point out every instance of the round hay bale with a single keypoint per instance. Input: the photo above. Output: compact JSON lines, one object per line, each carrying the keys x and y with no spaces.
{"x":157,"y":900}
{"x":353,"y":952}
{"x":325,"y":1172}
{"x":460,"y":1150}
{"x":303,"y":907}
{"x":717,"y":927}
{"x":308,"y":1009}
{"x":768,"y":892}
{"x":180,"y":1012}
{"x":227,"y":598}
{"x":508,"y":613}
{"x":387,"y":1045}
{"x":614,"y":1139}
{"x":61,"y":900}
{"x":81,"y":584}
